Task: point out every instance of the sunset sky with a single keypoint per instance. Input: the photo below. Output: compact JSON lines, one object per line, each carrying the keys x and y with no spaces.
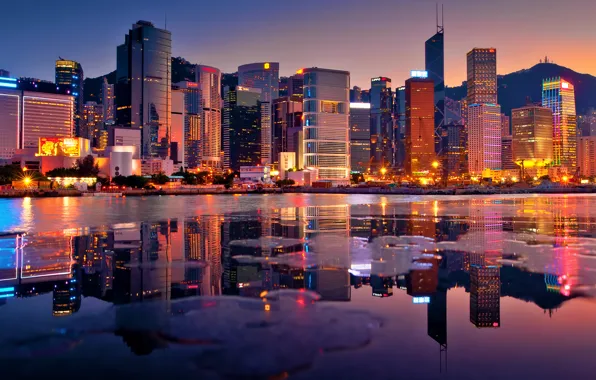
{"x":366,"y":37}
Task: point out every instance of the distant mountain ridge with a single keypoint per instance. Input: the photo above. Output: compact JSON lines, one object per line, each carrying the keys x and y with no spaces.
{"x":513,"y":90}
{"x":515,"y":87}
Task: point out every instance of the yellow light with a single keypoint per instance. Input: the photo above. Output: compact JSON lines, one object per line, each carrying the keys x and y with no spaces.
{"x":300,"y":71}
{"x":514,"y":179}
{"x":535,"y":178}
{"x":266,"y":65}
{"x":565,"y":178}
{"x":435,"y":164}
{"x":267,"y":307}
{"x":383,"y":171}
{"x":27,"y":180}
{"x":25,"y":169}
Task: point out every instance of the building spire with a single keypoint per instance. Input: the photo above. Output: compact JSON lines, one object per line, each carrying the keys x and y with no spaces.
{"x":441,"y":25}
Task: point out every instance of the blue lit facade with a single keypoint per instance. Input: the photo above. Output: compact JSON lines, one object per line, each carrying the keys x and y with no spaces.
{"x":69,"y":75}
{"x":382,"y":143}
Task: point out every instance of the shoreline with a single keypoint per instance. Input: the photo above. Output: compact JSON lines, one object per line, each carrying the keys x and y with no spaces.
{"x":346,"y":190}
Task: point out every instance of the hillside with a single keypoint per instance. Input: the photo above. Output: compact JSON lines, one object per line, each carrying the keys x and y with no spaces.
{"x":515,"y":87}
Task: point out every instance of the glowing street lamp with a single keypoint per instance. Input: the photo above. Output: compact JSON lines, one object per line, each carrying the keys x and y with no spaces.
{"x":565,"y":178}
{"x":435,"y":164}
{"x":27,"y":181}
{"x":383,"y":171}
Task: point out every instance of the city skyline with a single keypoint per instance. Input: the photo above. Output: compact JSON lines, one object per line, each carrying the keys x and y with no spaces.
{"x":193,"y":37}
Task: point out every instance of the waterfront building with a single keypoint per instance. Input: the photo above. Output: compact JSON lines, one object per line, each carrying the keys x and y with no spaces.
{"x":209,"y":82}
{"x":420,"y":126}
{"x":484,"y":138}
{"x":456,"y":153}
{"x":435,"y":67}
{"x":124,"y":136}
{"x":360,"y":137}
{"x":241,"y":127}
{"x":532,"y":128}
{"x":381,"y":124}
{"x":482,"y":76}
{"x":143,"y":86}
{"x":326,"y":123}
{"x":192,"y":123}
{"x":69,"y":75}
{"x":264,"y":76}
{"x":287,"y":122}
{"x":559,"y":95}
{"x":178,"y":117}
{"x":587,"y":156}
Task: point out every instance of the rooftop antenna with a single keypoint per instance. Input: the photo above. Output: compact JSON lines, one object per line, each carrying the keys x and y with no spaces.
{"x":440,"y":26}
{"x":166,"y":21}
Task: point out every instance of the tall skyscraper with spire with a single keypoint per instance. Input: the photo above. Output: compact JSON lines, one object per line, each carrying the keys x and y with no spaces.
{"x":435,"y":66}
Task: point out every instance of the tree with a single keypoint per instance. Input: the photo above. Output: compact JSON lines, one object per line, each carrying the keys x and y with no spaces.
{"x":63,"y":172}
{"x":134,"y":181}
{"x":357,"y":178}
{"x":10,"y":173}
{"x":87,"y":167}
{"x":202,"y":177}
{"x":160,"y":178}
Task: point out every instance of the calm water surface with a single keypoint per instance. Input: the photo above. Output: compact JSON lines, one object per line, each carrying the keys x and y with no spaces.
{"x":299,"y":286}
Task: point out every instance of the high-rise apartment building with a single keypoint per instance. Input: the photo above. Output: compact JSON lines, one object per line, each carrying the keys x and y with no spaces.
{"x":143,"y":87}
{"x":209,"y":81}
{"x":435,"y":67}
{"x":482,"y":76}
{"x":532,"y":128}
{"x":484,"y":138}
{"x":287,"y":122}
{"x":91,"y":121}
{"x":381,"y":124}
{"x":192,"y":123}
{"x":360,"y":137}
{"x":107,"y":100}
{"x":69,"y":74}
{"x":264,"y":76}
{"x":327,"y":124}
{"x":241,"y":127}
{"x":420,"y":126}
{"x":456,"y":151}
{"x":587,"y":156}
{"x":559,"y":95}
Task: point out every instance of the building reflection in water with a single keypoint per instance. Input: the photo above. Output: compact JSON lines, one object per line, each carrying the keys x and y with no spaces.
{"x":325,"y":249}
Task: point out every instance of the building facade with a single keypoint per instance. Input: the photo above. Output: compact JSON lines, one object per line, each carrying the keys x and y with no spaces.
{"x":587,"y":156}
{"x":123,"y":136}
{"x":482,"y":76}
{"x":532,"y":128}
{"x":178,"y":118}
{"x":241,"y":127}
{"x":455,"y":155}
{"x":381,"y":124}
{"x":107,"y":100}
{"x":143,"y":87}
{"x":209,"y":82}
{"x":559,"y":95}
{"x":287,"y":122}
{"x":420,"y":126}
{"x":435,"y":67}
{"x":69,"y":74}
{"x":192,"y":123}
{"x":326,"y":123}
{"x":484,"y":138}
{"x":360,"y":137}
{"x":91,"y":123}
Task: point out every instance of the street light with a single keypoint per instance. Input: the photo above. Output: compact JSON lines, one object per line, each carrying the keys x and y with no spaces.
{"x":27,"y":181}
{"x":435,"y":164}
{"x":383,"y":171}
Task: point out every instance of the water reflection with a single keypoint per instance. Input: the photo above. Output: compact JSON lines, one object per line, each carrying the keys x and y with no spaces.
{"x":536,"y":253}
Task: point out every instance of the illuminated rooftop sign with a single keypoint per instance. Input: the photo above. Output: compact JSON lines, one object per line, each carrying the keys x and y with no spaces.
{"x":419,"y":300}
{"x":266,"y":65}
{"x":360,"y":105}
{"x":8,"y":82}
{"x":419,"y":74}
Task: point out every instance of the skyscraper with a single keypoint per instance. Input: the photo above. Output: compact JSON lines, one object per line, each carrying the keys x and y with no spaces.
{"x":107,"y":100}
{"x":192,"y":123}
{"x":296,"y":84}
{"x":264,"y":76}
{"x":326,"y":123}
{"x":482,"y":76}
{"x":209,"y":81}
{"x":435,"y":66}
{"x":485,"y":296}
{"x":420,"y":126}
{"x":143,"y":89}
{"x":241,"y":127}
{"x":177,"y":126}
{"x":532,"y":135}
{"x":587,"y":156}
{"x":507,"y":162}
{"x":381,"y":124}
{"x":456,"y":161}
{"x":360,"y":136}
{"x":400,"y":127}
{"x":70,"y":74}
{"x":91,"y":121}
{"x":484,"y":138}
{"x":287,"y":121}
{"x":559,"y":95}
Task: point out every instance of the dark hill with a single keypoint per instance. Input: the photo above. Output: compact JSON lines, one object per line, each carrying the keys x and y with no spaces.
{"x":515,"y":87}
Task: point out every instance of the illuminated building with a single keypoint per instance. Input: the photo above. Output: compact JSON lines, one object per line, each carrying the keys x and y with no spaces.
{"x":400,"y":127}
{"x":177,"y":135}
{"x":296,"y":84}
{"x":456,"y":150}
{"x":209,"y":80}
{"x":587,"y":123}
{"x":532,"y":131}
{"x":505,"y":125}
{"x":485,"y":296}
{"x":192,"y":123}
{"x":241,"y":127}
{"x":507,"y":162}
{"x":360,"y":140}
{"x":10,"y":117}
{"x":287,"y":123}
{"x":420,"y":126}
{"x":91,"y":120}
{"x":559,"y":95}
{"x":587,"y":156}
{"x":107,"y":100}
{"x":143,"y":86}
{"x":264,"y":76}
{"x":482,"y":76}
{"x":381,"y":124}
{"x":69,"y":74}
{"x":484,"y":138}
{"x":326,"y":123}
{"x":435,"y":66}
{"x":356,"y":95}
{"x":122,"y":136}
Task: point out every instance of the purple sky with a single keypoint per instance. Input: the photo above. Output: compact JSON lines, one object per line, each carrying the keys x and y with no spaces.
{"x":366,"y":37}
